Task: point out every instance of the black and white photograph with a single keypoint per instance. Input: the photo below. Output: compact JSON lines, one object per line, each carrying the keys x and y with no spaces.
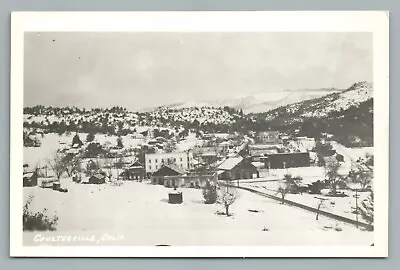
{"x":168,"y":138}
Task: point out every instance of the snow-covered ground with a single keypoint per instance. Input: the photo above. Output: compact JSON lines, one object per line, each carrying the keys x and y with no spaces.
{"x":141,"y":212}
{"x":343,"y":206}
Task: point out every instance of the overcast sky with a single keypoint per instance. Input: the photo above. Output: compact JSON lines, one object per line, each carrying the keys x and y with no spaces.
{"x":138,"y":70}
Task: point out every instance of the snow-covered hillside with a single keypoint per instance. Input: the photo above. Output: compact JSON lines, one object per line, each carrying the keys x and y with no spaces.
{"x":354,"y":96}
{"x":357,"y":94}
{"x":260,"y":102}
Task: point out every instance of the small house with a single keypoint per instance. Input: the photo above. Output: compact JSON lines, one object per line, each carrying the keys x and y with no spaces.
{"x":237,"y":167}
{"x":136,"y":171}
{"x":30,"y":179}
{"x":166,"y":170}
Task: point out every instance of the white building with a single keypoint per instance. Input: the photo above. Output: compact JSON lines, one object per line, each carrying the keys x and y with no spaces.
{"x":155,"y":161}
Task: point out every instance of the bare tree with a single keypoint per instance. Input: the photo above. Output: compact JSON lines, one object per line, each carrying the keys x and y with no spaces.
{"x":228,"y":197}
{"x":333,"y":176}
{"x":72,"y":164}
{"x":362,"y":171}
{"x":283,"y":190}
{"x":57,"y":164}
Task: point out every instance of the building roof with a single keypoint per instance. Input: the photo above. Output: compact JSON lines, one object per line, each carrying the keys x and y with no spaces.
{"x":28,"y":174}
{"x":136,"y":165}
{"x":171,"y":167}
{"x":98,"y":176}
{"x":230,"y":163}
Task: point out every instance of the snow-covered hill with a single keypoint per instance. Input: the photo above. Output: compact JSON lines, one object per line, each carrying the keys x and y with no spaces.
{"x":352,"y":97}
{"x":257,"y":103}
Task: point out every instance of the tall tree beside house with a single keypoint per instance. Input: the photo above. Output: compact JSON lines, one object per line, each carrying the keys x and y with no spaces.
{"x":170,"y":146}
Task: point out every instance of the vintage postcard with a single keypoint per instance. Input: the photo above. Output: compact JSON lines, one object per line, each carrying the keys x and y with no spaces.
{"x":199,"y":134}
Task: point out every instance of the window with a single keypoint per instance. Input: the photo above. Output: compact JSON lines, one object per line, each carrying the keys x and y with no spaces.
{"x":149,"y":160}
{"x":156,"y":162}
{"x":174,"y":159}
{"x":149,"y":167}
{"x":156,"y":167}
{"x":181,"y":159}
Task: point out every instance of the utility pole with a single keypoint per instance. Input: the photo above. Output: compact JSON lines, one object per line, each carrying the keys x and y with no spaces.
{"x":356,"y":207}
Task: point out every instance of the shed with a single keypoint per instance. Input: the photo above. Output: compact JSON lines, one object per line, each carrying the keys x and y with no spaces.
{"x":30,"y":179}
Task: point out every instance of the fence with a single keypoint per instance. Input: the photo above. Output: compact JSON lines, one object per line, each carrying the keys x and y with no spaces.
{"x":309,"y":208}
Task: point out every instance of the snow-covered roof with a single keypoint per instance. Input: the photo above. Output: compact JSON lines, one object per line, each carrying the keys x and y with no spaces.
{"x":175,"y":168}
{"x":28,"y":174}
{"x":230,"y":163}
{"x":258,"y":164}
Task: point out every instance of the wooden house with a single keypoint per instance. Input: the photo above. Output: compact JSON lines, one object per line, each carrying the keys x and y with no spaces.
{"x":166,"y":170}
{"x":237,"y":167}
{"x":135,"y":171}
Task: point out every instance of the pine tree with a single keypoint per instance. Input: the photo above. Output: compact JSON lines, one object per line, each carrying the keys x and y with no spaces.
{"x":76,"y":140}
{"x":119,"y":143}
{"x":210,"y":193}
{"x":367,"y":208}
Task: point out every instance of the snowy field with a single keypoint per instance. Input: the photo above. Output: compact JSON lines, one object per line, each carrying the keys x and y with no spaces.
{"x":141,"y":212}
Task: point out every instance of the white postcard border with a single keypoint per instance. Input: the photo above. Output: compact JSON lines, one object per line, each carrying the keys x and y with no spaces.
{"x":376,"y":22}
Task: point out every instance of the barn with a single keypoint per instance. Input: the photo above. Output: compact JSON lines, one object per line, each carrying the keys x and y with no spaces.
{"x":286,"y":160}
{"x":237,"y":167}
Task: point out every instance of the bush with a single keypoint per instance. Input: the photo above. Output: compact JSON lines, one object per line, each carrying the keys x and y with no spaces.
{"x":210,"y":193}
{"x":38,"y":221}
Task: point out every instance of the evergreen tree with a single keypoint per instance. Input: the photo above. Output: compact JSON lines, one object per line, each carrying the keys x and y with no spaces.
{"x":76,"y":140}
{"x":119,"y":143}
{"x":367,"y":208}
{"x":210,"y":193}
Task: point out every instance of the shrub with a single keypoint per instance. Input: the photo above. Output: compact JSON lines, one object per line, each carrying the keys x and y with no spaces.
{"x":210,"y":193}
{"x":38,"y":221}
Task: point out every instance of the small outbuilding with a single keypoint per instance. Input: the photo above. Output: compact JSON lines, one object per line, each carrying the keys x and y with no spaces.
{"x":30,"y":179}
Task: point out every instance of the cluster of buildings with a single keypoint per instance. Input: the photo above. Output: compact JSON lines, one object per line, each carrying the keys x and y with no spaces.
{"x":221,"y":161}
{"x":227,"y":158}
